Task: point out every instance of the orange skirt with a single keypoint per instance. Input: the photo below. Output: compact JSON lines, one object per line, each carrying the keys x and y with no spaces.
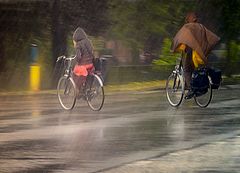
{"x":82,"y":70}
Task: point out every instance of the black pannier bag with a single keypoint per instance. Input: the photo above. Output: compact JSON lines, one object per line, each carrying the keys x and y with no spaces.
{"x":216,"y":77}
{"x":97,"y":63}
{"x":200,"y":82}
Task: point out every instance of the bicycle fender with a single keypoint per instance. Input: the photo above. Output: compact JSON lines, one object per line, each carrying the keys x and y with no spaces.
{"x":99,"y":79}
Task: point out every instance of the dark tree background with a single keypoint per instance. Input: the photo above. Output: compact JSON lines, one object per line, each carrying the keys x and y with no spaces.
{"x":140,"y":24}
{"x":49,"y":24}
{"x":68,"y":15}
{"x":24,"y":20}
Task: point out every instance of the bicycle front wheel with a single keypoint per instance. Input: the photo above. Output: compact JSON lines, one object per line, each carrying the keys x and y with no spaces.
{"x":95,"y":92}
{"x":175,"y":89}
{"x":66,"y":91}
{"x":203,"y":99}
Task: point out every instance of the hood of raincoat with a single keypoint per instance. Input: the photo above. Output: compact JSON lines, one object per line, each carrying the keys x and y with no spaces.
{"x":197,"y":37}
{"x":79,"y":34}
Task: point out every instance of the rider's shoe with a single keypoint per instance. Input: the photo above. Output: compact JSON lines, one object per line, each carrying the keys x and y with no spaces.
{"x":189,"y":95}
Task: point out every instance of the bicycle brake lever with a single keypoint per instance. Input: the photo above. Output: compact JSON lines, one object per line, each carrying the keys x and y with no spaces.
{"x":60,"y":57}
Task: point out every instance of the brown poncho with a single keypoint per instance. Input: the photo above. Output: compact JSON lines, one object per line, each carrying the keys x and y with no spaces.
{"x":197,"y":37}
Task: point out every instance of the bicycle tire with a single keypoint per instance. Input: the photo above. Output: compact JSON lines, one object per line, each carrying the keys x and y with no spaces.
{"x":66,"y":91}
{"x":175,"y":89}
{"x":204,"y":100}
{"x":95,"y":92}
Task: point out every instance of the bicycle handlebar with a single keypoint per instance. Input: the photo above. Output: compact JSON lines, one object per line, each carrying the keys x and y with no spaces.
{"x":61,"y":57}
{"x":66,"y":58}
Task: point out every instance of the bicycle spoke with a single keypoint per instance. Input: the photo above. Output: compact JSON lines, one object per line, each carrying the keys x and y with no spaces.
{"x":174,"y":89}
{"x":66,"y":93}
{"x":95,"y":93}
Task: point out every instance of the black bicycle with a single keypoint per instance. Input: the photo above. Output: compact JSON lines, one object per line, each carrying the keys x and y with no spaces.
{"x":175,"y":88}
{"x":93,"y":91}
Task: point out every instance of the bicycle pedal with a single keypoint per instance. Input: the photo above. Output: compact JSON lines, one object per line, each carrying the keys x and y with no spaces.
{"x":189,"y":95}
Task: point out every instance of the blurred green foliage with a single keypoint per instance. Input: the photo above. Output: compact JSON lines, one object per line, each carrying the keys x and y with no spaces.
{"x":233,"y":55}
{"x":148,"y":24}
{"x":223,"y":18}
{"x":166,"y":57}
{"x":143,"y":24}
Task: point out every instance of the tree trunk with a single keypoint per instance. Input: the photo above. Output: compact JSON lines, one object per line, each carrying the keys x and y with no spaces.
{"x":59,"y":39}
{"x":2,"y":57}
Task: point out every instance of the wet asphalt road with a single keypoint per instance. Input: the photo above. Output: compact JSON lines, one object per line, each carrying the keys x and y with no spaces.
{"x":134,"y":132}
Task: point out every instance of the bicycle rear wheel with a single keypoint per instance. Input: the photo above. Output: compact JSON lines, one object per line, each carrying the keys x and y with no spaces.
{"x":94,"y":92}
{"x":205,"y":98}
{"x":66,"y":91}
{"x":175,"y":89}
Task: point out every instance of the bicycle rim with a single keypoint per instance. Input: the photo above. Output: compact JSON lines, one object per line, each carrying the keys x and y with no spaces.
{"x":204,"y":100}
{"x":175,"y":89}
{"x":66,"y":91}
{"x":95,"y":93}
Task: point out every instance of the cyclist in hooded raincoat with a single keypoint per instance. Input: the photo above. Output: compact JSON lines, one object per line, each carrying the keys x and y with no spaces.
{"x":196,"y":41}
{"x":84,"y":57}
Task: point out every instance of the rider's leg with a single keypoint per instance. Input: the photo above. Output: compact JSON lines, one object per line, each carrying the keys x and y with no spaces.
{"x":81,"y":71}
{"x":82,"y":81}
{"x":76,"y":80}
{"x":188,"y":68}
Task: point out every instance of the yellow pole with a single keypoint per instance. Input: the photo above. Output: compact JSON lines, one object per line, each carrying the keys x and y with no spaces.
{"x":34,"y":77}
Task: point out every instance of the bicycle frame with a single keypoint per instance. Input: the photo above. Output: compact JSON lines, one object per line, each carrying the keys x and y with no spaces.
{"x":178,"y":82}
{"x":69,"y":83}
{"x":178,"y":70}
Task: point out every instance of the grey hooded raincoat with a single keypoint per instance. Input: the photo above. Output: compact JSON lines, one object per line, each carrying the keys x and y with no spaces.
{"x":84,"y":48}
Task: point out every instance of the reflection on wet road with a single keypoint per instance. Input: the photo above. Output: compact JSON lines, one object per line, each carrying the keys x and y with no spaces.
{"x":38,"y":136}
